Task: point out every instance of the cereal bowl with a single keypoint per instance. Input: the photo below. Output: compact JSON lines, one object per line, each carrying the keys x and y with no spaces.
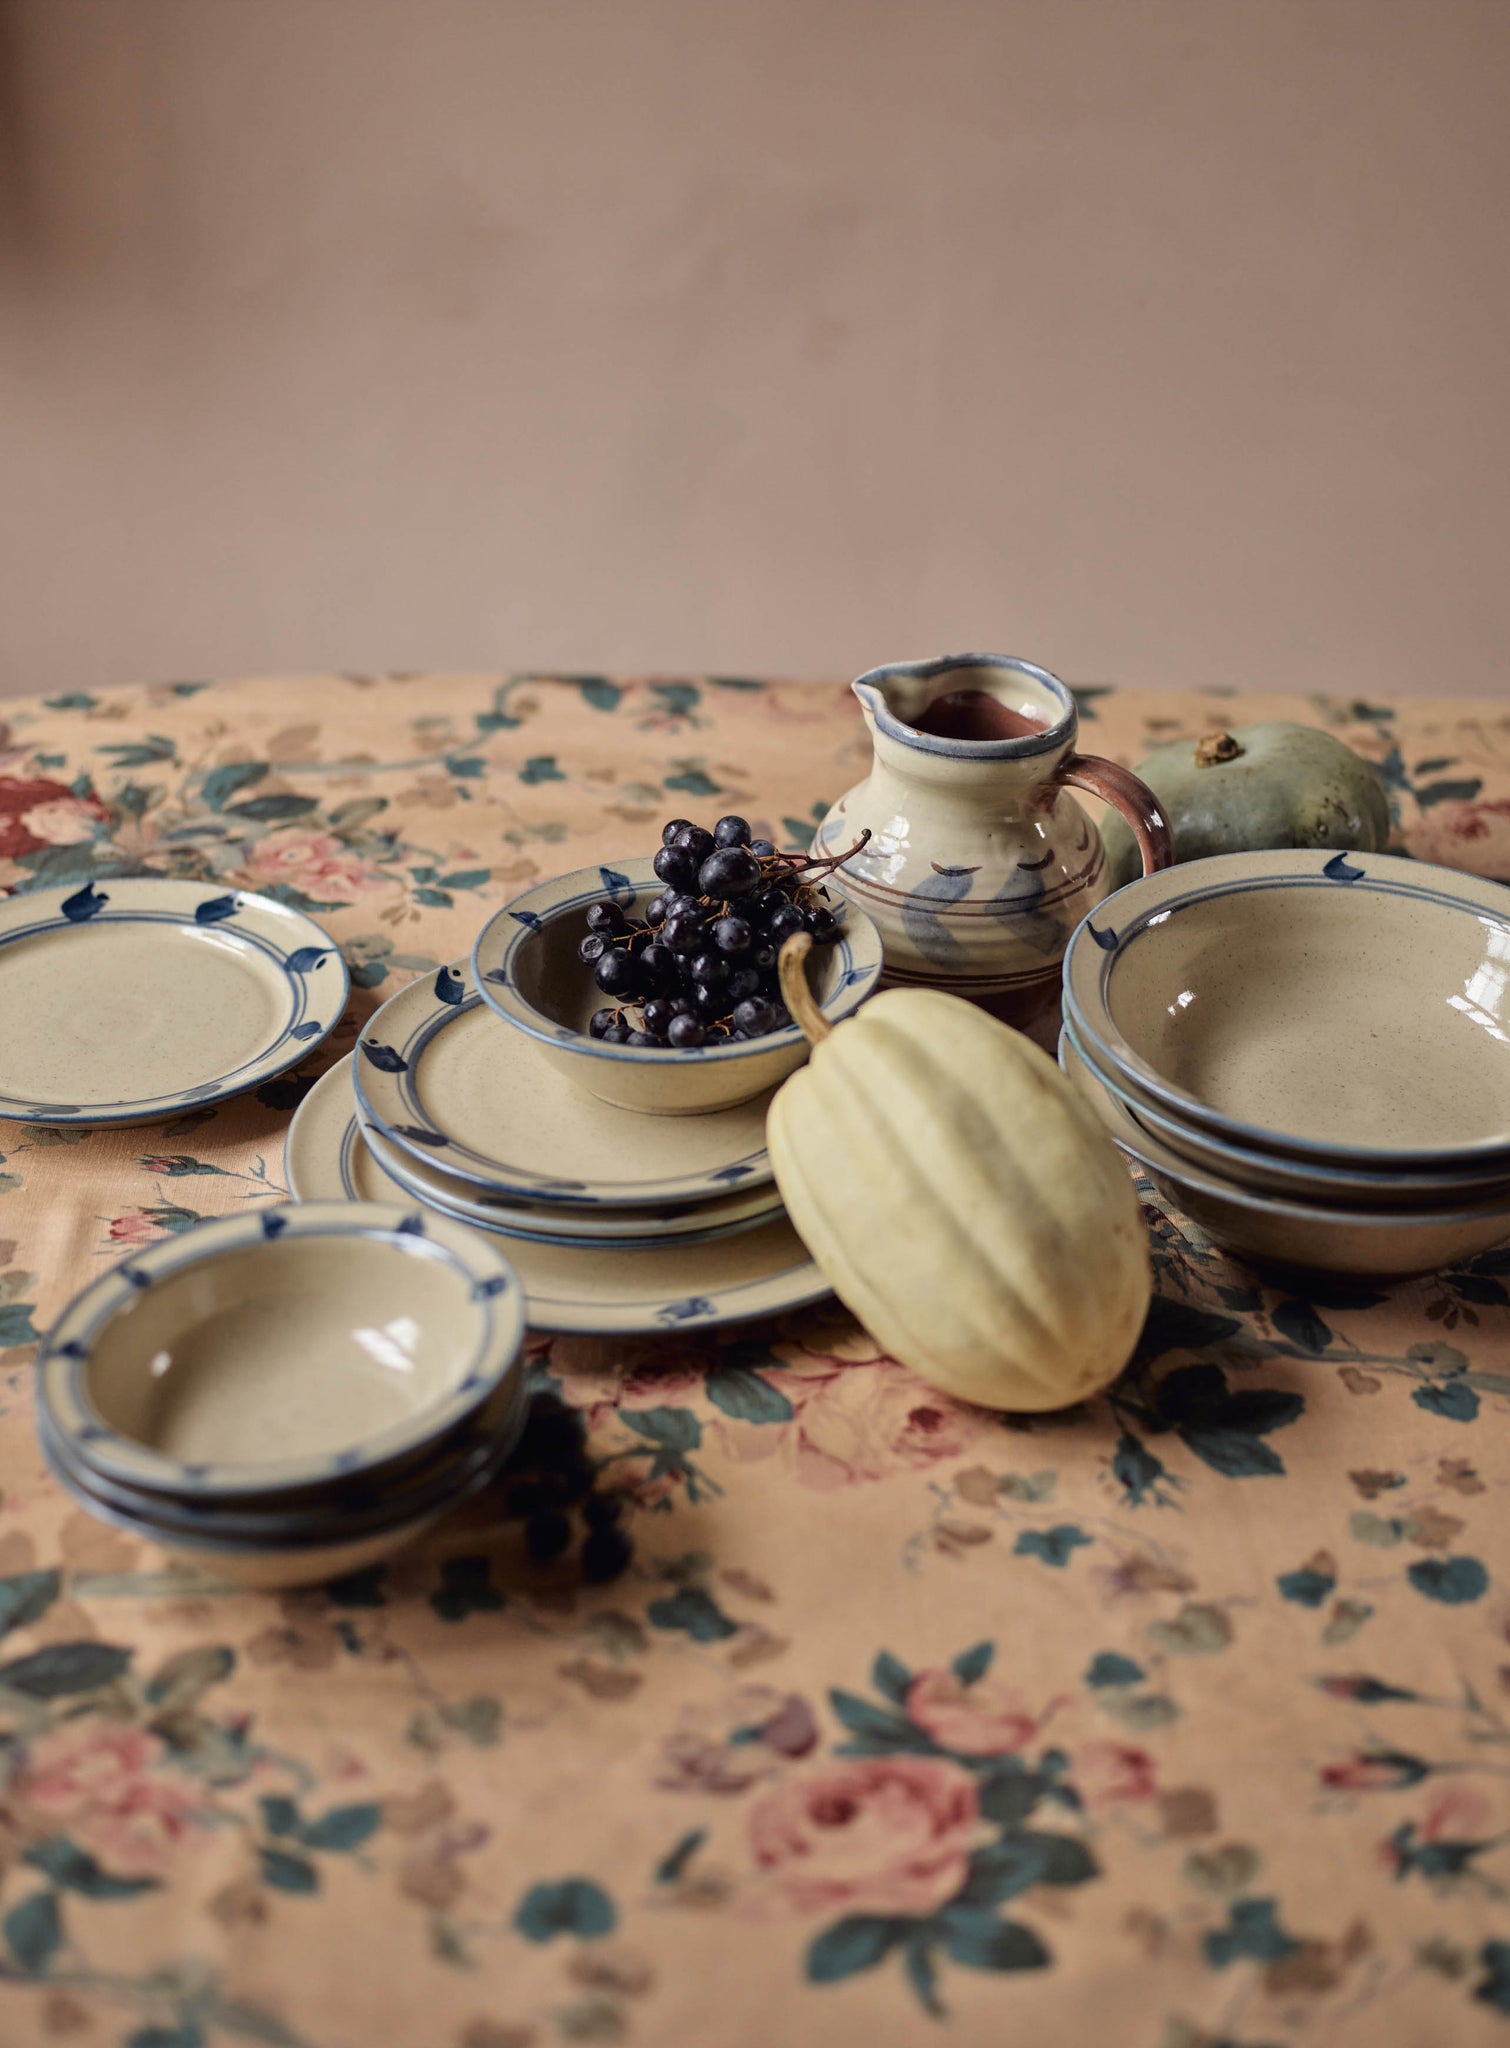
{"x":526,"y":967}
{"x":282,"y":1350}
{"x":1313,"y":1236}
{"x":1351,"y":1010}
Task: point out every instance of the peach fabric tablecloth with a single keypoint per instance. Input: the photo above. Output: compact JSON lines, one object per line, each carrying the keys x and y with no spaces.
{"x":1178,"y":1721}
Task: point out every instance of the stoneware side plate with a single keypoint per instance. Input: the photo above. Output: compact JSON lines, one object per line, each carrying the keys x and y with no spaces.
{"x":599,"y":1290}
{"x":1307,"y":1235}
{"x":282,"y":1348}
{"x":127,"y":1001}
{"x":449,"y":1083}
{"x":1353,"y":1008}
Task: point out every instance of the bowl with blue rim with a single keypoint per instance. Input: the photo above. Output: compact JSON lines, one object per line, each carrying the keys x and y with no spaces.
{"x":527,"y":964}
{"x":284,"y":1368}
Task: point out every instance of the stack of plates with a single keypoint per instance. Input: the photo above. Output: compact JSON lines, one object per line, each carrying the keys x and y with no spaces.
{"x":289,"y":1394}
{"x":616,"y":1221}
{"x":1310,"y":1056}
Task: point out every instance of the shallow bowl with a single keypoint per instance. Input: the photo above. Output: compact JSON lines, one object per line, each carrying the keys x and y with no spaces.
{"x":1350,"y":1011}
{"x":525,"y":966}
{"x":282,"y":1350}
{"x":1271,"y":1173}
{"x":1291,"y":1233}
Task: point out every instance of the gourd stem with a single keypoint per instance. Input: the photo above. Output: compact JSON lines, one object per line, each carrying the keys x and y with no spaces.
{"x":792,"y":965}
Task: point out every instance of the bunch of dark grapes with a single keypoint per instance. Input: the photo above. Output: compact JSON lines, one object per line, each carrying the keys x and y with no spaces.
{"x":550,"y":1476}
{"x":701,"y":968}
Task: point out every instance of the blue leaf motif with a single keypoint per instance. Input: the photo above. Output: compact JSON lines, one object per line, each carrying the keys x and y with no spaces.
{"x":1452,"y":1580}
{"x":853,"y":1944}
{"x":449,"y":988}
{"x":890,"y":1676}
{"x":1253,"y":1931}
{"x":1337,"y":869}
{"x":34,"y":1931}
{"x":310,"y":1028}
{"x":686,"y":1311}
{"x":273,"y":1225}
{"x":1453,"y":1400}
{"x":304,"y":959}
{"x":922,"y":923}
{"x":214,"y":909}
{"x":732,"y":1173}
{"x":1055,"y":1546}
{"x":1109,"y":1667}
{"x":746,"y":1395}
{"x":975,"y":1663}
{"x":526,"y":917}
{"x":693,"y":1610}
{"x":495,"y":1284}
{"x":497,"y":975}
{"x":384,"y":1058}
{"x":1307,"y":1587}
{"x":418,"y":1135}
{"x":84,"y":903}
{"x":617,"y":884}
{"x":1108,"y":940}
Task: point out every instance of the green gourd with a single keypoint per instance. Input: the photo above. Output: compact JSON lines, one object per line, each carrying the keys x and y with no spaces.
{"x":1271,"y":785}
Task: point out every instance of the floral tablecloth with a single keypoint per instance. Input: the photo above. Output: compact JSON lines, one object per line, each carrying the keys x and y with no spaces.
{"x":1179,"y":1720}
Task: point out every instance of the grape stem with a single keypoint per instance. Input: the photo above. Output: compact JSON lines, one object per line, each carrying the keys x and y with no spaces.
{"x":791,"y":963}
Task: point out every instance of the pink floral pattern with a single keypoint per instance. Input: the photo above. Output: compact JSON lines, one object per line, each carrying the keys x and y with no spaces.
{"x":880,"y":1835}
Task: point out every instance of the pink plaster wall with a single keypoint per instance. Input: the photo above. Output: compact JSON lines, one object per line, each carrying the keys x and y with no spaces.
{"x":1159,"y":340}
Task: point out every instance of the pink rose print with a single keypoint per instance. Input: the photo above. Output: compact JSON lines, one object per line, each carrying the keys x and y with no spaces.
{"x":873,"y":1835}
{"x":983,"y":1719}
{"x":37,"y":812}
{"x":1109,"y":1772}
{"x":856,"y":1419}
{"x":99,"y":1780}
{"x":1475,"y":836}
{"x":135,"y":1227}
{"x":315,"y":861}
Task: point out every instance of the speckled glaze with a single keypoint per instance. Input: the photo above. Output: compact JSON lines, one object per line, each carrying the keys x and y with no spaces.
{"x":1351,"y":1009}
{"x":1315,"y":1236}
{"x":525,"y":967}
{"x":137,"y":998}
{"x":280,"y":1350}
{"x":597,"y":1290}
{"x":979,"y":864}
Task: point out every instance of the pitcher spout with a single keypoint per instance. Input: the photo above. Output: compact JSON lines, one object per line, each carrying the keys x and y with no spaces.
{"x":969,"y":706}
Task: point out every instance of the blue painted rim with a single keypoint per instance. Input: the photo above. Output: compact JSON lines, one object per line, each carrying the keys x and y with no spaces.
{"x":1111,"y":933}
{"x":858,"y":949}
{"x":869,"y":688}
{"x":300,"y":1034}
{"x":62,"y":1383}
{"x":1166,"y":1165}
{"x":500,"y":1175}
{"x":552,"y":1313}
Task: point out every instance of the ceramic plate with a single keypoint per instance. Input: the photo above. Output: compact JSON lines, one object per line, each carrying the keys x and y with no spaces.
{"x":451,"y":1084}
{"x":589,"y":1291}
{"x":128,"y":1001}
{"x":577,"y":1226}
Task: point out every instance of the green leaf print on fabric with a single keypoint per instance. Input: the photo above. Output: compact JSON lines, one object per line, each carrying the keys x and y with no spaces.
{"x":573,"y":1906}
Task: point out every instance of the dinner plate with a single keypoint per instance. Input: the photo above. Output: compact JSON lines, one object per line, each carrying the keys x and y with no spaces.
{"x":451,"y":1084}
{"x":130,"y":1000}
{"x":577,"y":1226}
{"x":596,"y":1290}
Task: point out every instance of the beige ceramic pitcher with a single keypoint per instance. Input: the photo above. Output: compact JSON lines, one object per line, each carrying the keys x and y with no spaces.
{"x":979,"y":866}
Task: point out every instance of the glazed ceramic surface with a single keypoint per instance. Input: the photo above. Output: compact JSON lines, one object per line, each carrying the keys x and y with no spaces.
{"x":1351,"y":1009}
{"x":525,"y":966}
{"x":979,"y":864}
{"x":1274,"y":1174}
{"x":605,"y":1290}
{"x":1294,"y":1233}
{"x":281,"y":1347}
{"x":313,"y":1142}
{"x":544,"y":1228}
{"x":127,"y":1001}
{"x":447,"y":1082}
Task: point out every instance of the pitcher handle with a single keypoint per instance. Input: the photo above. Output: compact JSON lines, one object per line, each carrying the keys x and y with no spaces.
{"x":1120,"y":788}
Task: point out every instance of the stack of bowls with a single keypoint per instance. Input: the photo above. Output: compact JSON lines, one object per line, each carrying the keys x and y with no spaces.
{"x":291,"y":1394}
{"x":1310,"y":1056}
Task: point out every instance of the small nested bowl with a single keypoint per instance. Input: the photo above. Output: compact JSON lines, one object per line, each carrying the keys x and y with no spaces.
{"x":525,"y":965}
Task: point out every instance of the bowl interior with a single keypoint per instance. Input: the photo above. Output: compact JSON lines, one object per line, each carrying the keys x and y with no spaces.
{"x":555,"y":983}
{"x":298,"y":1347}
{"x":1342,"y":1016}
